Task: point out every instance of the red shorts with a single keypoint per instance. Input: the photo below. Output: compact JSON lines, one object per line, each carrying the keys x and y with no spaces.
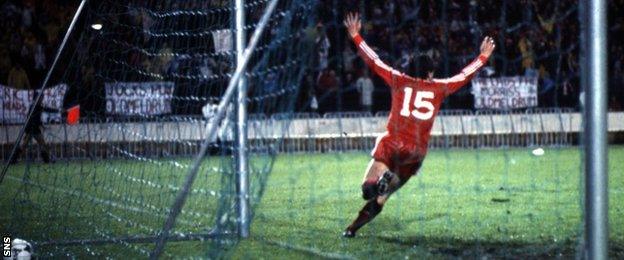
{"x":399,"y":154}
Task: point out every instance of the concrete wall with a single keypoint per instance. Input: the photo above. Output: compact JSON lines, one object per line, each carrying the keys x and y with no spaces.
{"x":182,"y":136}
{"x":192,"y":128}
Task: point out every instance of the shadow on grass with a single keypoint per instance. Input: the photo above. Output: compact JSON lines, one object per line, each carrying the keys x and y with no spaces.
{"x":446,"y":247}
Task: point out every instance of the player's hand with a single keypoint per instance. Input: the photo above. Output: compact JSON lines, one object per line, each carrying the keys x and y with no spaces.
{"x":353,"y":23}
{"x":487,"y":46}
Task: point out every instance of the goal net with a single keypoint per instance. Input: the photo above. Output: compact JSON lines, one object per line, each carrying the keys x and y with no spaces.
{"x":146,"y":77}
{"x":503,"y":176}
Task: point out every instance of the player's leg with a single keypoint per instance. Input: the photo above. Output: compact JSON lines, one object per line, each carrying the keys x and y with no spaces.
{"x":375,"y":177}
{"x":376,"y":168}
{"x":370,"y":210}
{"x":403,"y":174}
{"x":374,"y":206}
{"x":393,"y":185}
{"x":43,"y":147}
{"x":20,"y":148}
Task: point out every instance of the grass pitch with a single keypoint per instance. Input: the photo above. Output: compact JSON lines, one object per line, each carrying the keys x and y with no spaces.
{"x":504,"y":203}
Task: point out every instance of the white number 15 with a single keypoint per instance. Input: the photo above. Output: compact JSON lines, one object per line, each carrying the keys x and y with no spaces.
{"x":419,"y":102}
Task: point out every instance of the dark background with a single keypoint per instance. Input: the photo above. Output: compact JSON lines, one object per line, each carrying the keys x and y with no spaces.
{"x":533,"y":38}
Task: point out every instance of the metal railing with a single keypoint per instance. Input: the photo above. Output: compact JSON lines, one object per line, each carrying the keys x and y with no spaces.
{"x":136,"y":138}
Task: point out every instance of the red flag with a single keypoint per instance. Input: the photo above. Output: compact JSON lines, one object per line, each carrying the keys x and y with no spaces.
{"x":73,"y":115}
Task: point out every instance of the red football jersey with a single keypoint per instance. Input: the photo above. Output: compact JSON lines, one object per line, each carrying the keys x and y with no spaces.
{"x":415,"y":102}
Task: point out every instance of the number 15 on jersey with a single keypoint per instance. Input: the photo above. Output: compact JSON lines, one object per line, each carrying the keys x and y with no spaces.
{"x":421,"y":101}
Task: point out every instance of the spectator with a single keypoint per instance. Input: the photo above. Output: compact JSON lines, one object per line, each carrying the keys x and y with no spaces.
{"x":165,"y":57}
{"x":365,"y":88}
{"x":40,"y":57}
{"x":547,"y":84}
{"x":18,"y":78}
{"x":148,"y":65}
{"x":327,"y":85}
{"x":327,"y":81}
{"x":27,"y":14}
{"x":322,"y":47}
{"x":40,"y":65}
{"x":32,"y":29}
{"x":270,"y":84}
{"x":206,"y":68}
{"x":348,"y":57}
{"x":548,"y":25}
{"x":88,"y":79}
{"x":314,"y":104}
{"x":52,"y":30}
{"x":528,"y":57}
{"x":307,"y":99}
{"x":5,"y":63}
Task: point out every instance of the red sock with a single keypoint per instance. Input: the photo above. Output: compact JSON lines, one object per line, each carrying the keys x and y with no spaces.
{"x":367,"y":213}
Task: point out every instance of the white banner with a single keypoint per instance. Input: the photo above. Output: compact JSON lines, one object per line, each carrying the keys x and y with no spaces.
{"x":15,"y":103}
{"x":504,"y":92}
{"x":139,"y":98}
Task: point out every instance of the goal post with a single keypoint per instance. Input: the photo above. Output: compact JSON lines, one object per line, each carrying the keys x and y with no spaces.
{"x":241,"y":151}
{"x":210,"y":131}
{"x":596,"y":195}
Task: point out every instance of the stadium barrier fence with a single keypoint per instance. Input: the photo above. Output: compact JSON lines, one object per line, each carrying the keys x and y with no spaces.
{"x":303,"y":133}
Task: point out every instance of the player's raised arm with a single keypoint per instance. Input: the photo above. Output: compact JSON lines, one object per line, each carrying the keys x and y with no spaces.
{"x":456,"y":82}
{"x":354,"y":25}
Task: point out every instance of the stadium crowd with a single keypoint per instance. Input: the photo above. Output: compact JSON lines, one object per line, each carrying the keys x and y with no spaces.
{"x":30,"y":33}
{"x":534,"y":38}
